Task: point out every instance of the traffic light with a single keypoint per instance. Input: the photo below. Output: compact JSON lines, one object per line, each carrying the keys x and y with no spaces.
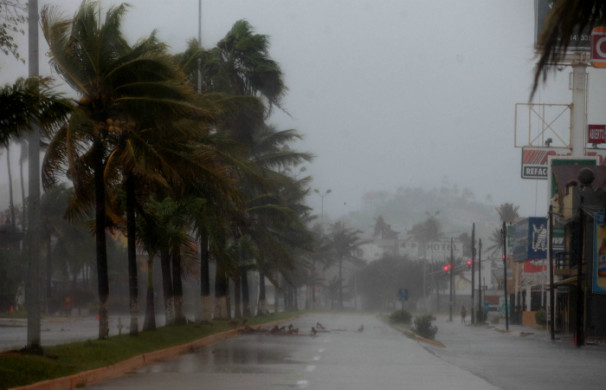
{"x":446,"y":267}
{"x":469,"y":264}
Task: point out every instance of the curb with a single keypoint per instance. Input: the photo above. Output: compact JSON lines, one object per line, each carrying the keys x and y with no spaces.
{"x":119,"y":369}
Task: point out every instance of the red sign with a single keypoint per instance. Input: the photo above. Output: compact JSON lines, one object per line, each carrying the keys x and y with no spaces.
{"x":598,"y":47}
{"x":596,"y":134}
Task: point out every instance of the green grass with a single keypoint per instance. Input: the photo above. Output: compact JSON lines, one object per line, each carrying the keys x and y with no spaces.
{"x":18,"y":369}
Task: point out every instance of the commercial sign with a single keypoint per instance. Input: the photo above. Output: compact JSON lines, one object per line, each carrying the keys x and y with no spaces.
{"x":565,"y":160}
{"x":557,"y":239}
{"x":534,"y":161}
{"x":598,"y":47}
{"x":599,"y":254}
{"x":440,"y":250}
{"x":530,"y":239}
{"x":596,"y":134}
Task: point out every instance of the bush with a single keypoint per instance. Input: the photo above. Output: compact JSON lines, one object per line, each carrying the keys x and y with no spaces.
{"x":541,"y":317}
{"x":423,"y":326}
{"x":400,"y":317}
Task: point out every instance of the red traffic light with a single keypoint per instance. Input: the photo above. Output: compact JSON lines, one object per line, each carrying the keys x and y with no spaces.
{"x":469,"y":263}
{"x":447,"y":267}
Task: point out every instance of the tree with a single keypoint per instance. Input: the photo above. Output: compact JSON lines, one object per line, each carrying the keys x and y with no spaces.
{"x":12,"y":16}
{"x":507,"y":212}
{"x":126,"y":92}
{"x":345,"y":242}
{"x":567,"y":18}
{"x":426,"y":231}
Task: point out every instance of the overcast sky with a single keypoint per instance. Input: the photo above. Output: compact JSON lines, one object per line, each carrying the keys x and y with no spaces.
{"x":388,"y":93}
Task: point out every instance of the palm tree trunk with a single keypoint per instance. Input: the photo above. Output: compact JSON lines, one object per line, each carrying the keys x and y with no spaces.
{"x":177,"y":285}
{"x":245,"y":293}
{"x":205,"y":301}
{"x":133,"y":288}
{"x":150,"y":309}
{"x":262,"y":306}
{"x":102,"y":276}
{"x":167,"y":286}
{"x":22,"y":159}
{"x":221,"y":293}
{"x":340,"y":283}
{"x":10,"y":187}
{"x":237,"y":296}
{"x":49,"y":271}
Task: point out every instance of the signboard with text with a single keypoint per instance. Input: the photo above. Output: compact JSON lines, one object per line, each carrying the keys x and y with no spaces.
{"x":596,"y":134}
{"x":534,"y":161}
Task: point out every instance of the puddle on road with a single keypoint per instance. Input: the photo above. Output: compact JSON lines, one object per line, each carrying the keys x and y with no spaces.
{"x":246,"y":354}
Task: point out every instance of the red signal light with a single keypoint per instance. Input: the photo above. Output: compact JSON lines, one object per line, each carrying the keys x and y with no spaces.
{"x":447,"y":268}
{"x":469,"y":263}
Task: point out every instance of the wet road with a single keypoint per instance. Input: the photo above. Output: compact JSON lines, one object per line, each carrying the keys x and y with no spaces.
{"x":377,"y":358}
{"x":525,"y":358}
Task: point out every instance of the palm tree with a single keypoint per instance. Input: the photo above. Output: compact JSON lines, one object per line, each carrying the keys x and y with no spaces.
{"x":567,"y":18}
{"x":120,"y":85}
{"x":345,"y":242}
{"x":507,"y":212}
{"x":25,"y":103}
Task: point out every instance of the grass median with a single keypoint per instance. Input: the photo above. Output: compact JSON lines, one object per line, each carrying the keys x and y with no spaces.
{"x":18,"y":369}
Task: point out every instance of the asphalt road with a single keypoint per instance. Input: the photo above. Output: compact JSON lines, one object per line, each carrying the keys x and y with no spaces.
{"x":379,"y":357}
{"x":341,"y":358}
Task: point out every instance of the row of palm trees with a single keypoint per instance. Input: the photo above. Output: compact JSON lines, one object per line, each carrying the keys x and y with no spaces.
{"x":169,"y":149}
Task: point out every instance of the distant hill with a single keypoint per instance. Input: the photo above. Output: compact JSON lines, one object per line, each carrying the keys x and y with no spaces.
{"x":457,"y":210}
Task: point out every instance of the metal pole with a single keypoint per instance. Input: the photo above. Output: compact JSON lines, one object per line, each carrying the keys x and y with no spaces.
{"x":505,"y":276}
{"x":480,"y":316}
{"x":473,"y":261}
{"x":199,"y":46}
{"x":551,"y":288}
{"x":451,"y":279}
{"x":579,"y":108}
{"x":579,"y":337}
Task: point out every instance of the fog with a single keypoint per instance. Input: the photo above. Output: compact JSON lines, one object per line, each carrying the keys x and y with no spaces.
{"x":387,"y":94}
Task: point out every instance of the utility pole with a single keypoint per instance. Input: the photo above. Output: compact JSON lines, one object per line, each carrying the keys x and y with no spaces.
{"x":504,"y":231}
{"x":579,"y":336}
{"x":451,"y":280}
{"x":480,"y":316}
{"x":473,"y":261}
{"x":551,"y":288}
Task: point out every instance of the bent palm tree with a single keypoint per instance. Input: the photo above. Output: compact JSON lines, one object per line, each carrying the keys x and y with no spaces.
{"x":124,"y":90}
{"x":566,"y":19}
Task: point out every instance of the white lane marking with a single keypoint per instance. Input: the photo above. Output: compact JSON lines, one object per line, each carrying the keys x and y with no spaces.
{"x":310,"y":368}
{"x":302,"y":384}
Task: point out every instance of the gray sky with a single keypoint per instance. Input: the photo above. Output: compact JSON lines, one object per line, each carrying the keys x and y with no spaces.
{"x":388,"y":93}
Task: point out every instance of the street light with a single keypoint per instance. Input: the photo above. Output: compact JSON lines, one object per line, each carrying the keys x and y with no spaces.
{"x":322,"y":195}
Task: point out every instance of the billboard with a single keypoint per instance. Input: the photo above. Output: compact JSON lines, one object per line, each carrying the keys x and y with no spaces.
{"x":440,"y":250}
{"x":530,"y":239}
{"x":534,"y":161}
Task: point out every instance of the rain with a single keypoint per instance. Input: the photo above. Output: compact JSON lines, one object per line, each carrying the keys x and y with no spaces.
{"x":332,"y":194}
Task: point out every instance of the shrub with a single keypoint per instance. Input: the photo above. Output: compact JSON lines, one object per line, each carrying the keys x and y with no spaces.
{"x":541,"y":317}
{"x":400,"y":317}
{"x":424,"y":327}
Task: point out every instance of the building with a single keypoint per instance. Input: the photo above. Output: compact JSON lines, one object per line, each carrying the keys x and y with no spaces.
{"x":579,"y":204}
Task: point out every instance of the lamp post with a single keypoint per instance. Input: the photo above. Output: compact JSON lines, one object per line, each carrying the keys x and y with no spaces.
{"x":322,"y":195}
